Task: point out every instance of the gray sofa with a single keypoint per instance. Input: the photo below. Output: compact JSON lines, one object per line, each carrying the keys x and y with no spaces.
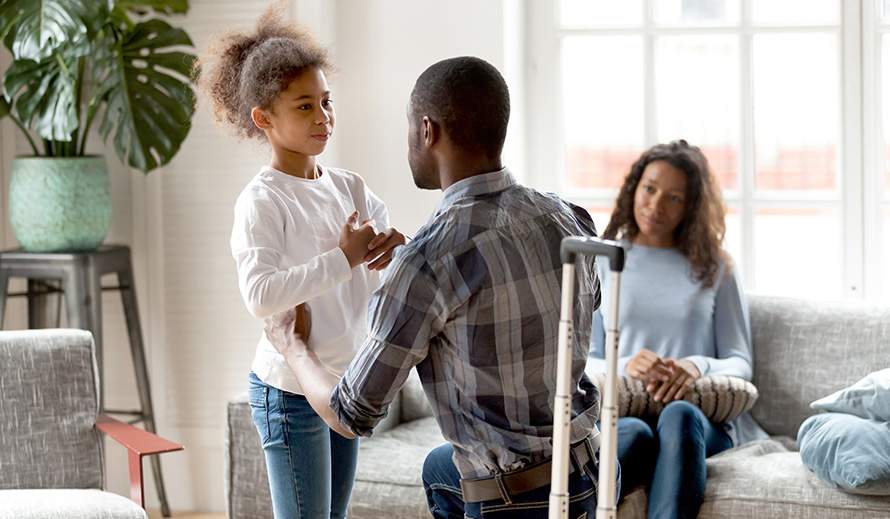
{"x":802,"y":351}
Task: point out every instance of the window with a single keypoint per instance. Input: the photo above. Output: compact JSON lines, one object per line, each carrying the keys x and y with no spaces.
{"x":780,"y":95}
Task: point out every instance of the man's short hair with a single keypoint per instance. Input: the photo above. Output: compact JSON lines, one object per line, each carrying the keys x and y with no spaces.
{"x":469,"y":98}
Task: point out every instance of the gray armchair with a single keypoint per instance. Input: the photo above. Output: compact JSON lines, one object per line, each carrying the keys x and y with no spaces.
{"x":51,"y":459}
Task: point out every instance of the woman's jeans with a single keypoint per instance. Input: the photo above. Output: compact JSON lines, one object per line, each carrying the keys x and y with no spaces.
{"x":311,"y":468}
{"x":669,"y":454}
{"x":441,"y":480}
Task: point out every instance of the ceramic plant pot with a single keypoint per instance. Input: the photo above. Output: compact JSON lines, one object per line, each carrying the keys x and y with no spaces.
{"x":59,"y":204}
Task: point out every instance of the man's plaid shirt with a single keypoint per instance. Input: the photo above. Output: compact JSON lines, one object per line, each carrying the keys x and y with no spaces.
{"x":473,"y":301}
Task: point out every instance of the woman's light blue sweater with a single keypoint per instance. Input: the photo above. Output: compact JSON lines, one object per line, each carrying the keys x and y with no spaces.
{"x":661,"y":309}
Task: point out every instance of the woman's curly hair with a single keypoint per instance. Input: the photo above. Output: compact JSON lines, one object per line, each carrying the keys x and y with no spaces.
{"x":246,"y":68}
{"x":700,"y":234}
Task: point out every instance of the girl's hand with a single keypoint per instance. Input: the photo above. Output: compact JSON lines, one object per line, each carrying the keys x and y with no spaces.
{"x":354,"y":241}
{"x":382,"y":247}
{"x":685,"y":373}
{"x":650,"y":368}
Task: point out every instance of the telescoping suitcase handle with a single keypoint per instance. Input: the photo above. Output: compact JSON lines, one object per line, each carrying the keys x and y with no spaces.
{"x":606,"y":507}
{"x":589,"y":246}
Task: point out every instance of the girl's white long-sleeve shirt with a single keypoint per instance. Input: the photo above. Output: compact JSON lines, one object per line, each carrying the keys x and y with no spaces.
{"x":285,"y":242}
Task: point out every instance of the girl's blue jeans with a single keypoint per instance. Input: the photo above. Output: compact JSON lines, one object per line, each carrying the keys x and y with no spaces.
{"x":669,"y":455}
{"x":311,"y":468}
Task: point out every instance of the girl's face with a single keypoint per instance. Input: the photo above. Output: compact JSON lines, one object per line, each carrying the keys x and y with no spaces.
{"x":301,"y":118}
{"x":659,"y":204}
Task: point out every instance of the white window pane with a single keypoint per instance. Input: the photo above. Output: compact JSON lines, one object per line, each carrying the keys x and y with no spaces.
{"x":601,"y":215}
{"x":696,"y":12}
{"x":796,"y":105}
{"x":885,"y":101}
{"x":795,"y":11}
{"x":602,"y":92}
{"x":886,"y":10}
{"x":598,"y":13}
{"x":885,"y":257}
{"x":796,"y":253}
{"x":701,"y":108}
{"x":733,"y":241}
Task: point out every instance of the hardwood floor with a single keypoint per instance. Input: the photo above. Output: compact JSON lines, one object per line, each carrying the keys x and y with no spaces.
{"x":156,"y":514}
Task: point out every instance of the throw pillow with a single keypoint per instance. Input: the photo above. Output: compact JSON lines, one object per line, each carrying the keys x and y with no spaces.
{"x":721,"y":398}
{"x":847,"y":452}
{"x":868,"y":398}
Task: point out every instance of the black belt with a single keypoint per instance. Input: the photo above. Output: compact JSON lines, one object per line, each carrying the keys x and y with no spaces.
{"x":530,"y":477}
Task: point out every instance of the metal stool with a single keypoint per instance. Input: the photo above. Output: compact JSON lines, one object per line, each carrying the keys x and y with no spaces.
{"x":79,"y":277}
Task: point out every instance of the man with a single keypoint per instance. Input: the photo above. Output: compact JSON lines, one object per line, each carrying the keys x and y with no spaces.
{"x":473,"y":302}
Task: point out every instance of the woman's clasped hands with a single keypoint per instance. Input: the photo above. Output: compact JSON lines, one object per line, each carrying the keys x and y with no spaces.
{"x":667,"y":379}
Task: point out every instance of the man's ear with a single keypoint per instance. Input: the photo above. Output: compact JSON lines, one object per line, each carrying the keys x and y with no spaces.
{"x":260,"y":118}
{"x":430,"y":131}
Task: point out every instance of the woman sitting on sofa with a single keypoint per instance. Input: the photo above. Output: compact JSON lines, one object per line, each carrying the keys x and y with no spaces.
{"x":682,"y":316}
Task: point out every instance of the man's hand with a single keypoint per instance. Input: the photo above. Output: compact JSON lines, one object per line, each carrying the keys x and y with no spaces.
{"x":287,"y":332}
{"x":650,"y":368}
{"x":685,"y":373}
{"x":354,"y":241}
{"x":382,"y":247}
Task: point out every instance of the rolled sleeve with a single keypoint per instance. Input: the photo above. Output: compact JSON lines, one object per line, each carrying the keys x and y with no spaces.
{"x":405,"y":311}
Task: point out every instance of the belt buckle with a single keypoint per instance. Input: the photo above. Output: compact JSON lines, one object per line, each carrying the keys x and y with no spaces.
{"x":591,"y":456}
{"x":505,"y":495}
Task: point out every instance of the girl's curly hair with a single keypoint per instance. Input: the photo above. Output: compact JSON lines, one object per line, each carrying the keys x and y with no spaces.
{"x":246,"y":68}
{"x":701,"y":232}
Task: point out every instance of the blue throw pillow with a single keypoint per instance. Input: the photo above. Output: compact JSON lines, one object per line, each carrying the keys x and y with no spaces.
{"x":868,"y":398}
{"x":847,"y":452}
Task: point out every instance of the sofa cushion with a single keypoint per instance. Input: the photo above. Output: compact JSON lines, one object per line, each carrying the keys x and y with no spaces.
{"x":868,"y":398}
{"x":721,"y":398}
{"x":804,"y":350}
{"x":388,"y":480}
{"x":767,"y":479}
{"x":414,"y":404}
{"x":247,"y":485}
{"x":847,"y":452}
{"x":67,"y":503}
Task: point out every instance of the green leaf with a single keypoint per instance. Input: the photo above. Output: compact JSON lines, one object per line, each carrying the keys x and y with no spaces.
{"x":160,"y":6}
{"x":4,"y":107}
{"x":149,"y":100}
{"x":42,"y":94}
{"x":35,"y":29}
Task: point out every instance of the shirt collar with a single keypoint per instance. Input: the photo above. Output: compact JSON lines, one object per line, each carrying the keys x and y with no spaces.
{"x":474,"y":186}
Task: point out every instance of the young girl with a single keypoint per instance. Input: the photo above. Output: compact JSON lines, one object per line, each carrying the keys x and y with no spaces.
{"x":292,"y":247}
{"x":682,"y":316}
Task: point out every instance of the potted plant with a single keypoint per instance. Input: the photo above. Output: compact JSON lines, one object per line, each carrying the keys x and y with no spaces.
{"x":82,"y":65}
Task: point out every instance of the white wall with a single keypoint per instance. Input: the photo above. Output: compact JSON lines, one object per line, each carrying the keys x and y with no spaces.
{"x":381,"y":48}
{"x":177,"y":220}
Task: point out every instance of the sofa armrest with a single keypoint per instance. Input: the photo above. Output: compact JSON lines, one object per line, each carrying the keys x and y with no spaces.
{"x":139,"y":443}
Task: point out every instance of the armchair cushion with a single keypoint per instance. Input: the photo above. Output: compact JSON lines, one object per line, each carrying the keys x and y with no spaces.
{"x":68,"y":504}
{"x":54,"y":372}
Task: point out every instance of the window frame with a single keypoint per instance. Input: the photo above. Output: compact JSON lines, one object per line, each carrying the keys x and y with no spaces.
{"x":859,"y":197}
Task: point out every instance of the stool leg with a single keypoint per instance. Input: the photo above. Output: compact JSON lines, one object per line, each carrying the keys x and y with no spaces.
{"x":41,"y":314}
{"x":131,"y":311}
{"x":83,"y":298}
{"x":4,"y":289}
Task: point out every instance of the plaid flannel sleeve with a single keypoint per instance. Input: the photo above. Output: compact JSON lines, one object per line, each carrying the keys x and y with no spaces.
{"x":406,"y":310}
